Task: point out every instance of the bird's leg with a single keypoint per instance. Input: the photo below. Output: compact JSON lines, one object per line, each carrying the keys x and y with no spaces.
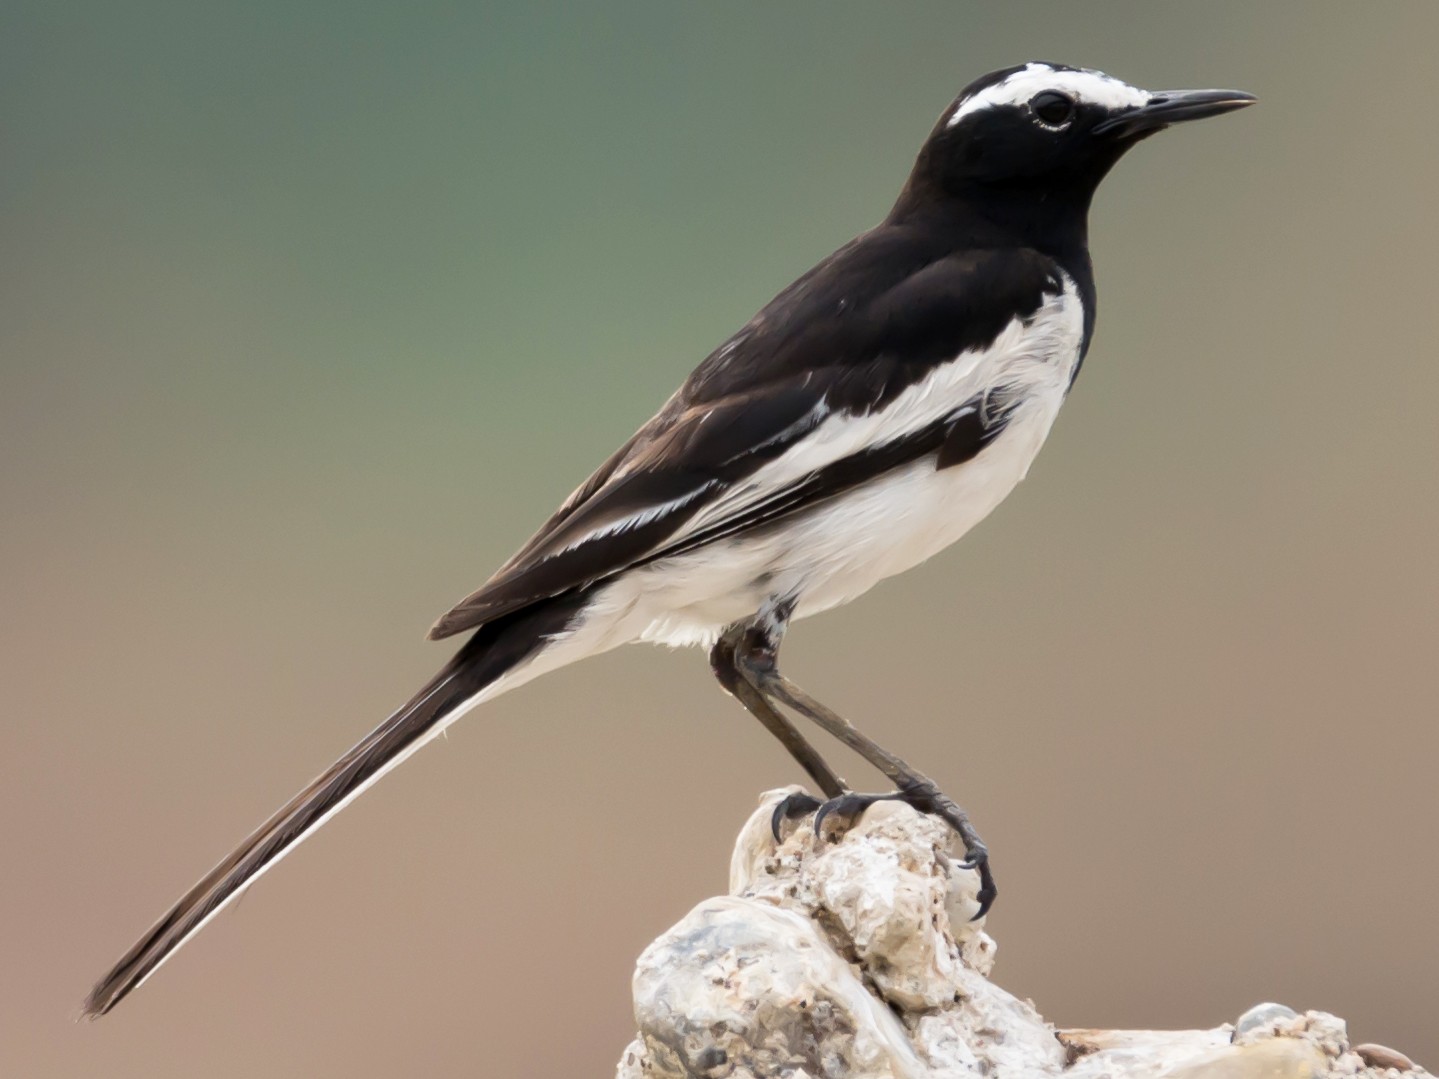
{"x":759,"y":664}
{"x":734,"y":682}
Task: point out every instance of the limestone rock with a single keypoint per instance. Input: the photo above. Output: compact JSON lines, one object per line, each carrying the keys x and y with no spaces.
{"x":856,"y":958}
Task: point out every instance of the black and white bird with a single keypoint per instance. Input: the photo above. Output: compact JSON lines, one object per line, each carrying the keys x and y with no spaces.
{"x":870,"y":415}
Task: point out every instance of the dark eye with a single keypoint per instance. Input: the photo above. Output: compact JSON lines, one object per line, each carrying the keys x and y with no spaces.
{"x":1052,"y":107}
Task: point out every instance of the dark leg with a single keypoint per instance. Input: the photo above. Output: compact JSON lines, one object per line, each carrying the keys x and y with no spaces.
{"x":723,"y":663}
{"x":756,"y":658}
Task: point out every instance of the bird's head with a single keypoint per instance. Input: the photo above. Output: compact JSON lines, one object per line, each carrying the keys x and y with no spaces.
{"x":1047,"y":132}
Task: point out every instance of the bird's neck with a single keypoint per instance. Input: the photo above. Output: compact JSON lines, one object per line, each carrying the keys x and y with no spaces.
{"x":1055,"y":222}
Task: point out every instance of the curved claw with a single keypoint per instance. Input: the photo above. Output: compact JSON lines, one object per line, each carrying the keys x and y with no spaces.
{"x":791,"y":807}
{"x":987,"y":890}
{"x":824,"y":811}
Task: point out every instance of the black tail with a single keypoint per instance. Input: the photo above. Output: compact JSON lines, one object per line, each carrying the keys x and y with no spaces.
{"x":496,"y":649}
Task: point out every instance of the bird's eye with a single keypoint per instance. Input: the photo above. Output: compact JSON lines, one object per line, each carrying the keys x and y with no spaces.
{"x":1052,"y":107}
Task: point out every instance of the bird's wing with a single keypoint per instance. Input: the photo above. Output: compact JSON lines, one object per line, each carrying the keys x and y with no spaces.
{"x":664,"y":480}
{"x":827,"y":387}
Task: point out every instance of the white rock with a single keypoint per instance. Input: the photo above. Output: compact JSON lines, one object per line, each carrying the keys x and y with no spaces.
{"x":856,"y":959}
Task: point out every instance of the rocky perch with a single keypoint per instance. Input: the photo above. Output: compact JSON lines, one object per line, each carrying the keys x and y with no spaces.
{"x":856,"y":958}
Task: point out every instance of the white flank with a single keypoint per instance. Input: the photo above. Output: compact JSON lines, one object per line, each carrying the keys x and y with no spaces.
{"x":1086,"y":87}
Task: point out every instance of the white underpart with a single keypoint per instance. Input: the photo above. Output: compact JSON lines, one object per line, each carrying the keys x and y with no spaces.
{"x":1086,"y":87}
{"x":841,"y":548}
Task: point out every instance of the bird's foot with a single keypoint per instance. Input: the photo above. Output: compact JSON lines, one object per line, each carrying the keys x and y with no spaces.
{"x":845,"y":810}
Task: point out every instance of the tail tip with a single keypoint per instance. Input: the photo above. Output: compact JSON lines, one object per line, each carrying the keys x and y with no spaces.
{"x":95,"y":1005}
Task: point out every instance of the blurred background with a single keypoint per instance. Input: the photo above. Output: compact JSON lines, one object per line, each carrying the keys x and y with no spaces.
{"x":310,"y":313}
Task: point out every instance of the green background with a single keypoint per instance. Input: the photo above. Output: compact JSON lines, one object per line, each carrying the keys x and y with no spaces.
{"x":310,"y":312}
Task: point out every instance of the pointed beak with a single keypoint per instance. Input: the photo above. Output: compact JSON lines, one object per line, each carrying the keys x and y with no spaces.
{"x":1171,"y":107}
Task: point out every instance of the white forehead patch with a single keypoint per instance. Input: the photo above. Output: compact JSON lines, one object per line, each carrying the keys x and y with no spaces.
{"x":1086,"y":87}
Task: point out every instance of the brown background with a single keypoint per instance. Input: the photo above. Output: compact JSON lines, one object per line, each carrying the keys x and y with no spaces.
{"x":307,"y":317}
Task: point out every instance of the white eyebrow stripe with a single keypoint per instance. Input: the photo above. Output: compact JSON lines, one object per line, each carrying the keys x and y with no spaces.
{"x":1087,"y":87}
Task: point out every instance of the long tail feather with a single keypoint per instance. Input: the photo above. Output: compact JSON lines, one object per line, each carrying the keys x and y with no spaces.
{"x":495,"y":650}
